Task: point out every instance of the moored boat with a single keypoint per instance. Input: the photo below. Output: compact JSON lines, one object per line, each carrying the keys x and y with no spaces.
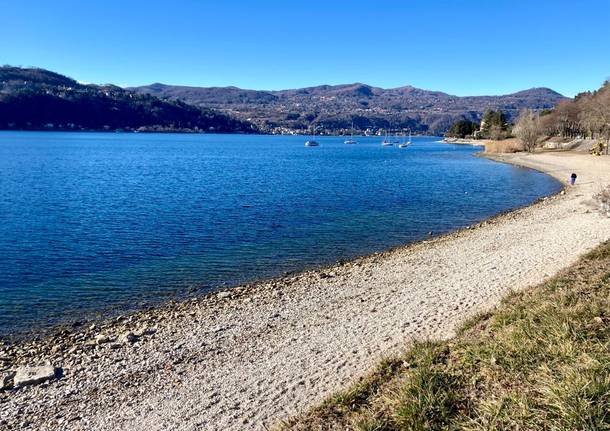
{"x":351,"y":140}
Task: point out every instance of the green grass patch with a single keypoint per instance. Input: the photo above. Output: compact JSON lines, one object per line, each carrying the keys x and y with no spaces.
{"x":540,"y":361}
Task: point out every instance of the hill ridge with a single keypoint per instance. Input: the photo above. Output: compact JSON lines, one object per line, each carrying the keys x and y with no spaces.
{"x":333,"y":107}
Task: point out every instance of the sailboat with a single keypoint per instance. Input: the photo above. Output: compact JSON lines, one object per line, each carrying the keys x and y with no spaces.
{"x":312,"y":142}
{"x":351,"y":141}
{"x":406,"y":144}
{"x":386,"y":142}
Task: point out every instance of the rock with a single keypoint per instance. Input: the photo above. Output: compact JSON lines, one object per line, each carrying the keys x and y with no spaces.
{"x":6,"y":380}
{"x":128,"y":337}
{"x":34,"y":375}
{"x":144,"y":331}
{"x":222,"y":295}
{"x":101,"y":339}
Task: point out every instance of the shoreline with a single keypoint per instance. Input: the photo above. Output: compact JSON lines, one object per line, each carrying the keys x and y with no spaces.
{"x":42,"y":331}
{"x":461,"y":141}
{"x":271,"y":310}
{"x":39,"y":334}
{"x":82,"y":326}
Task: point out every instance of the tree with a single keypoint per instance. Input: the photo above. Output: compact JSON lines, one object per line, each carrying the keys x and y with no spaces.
{"x":594,"y":114}
{"x":496,"y":132}
{"x":462,"y":128}
{"x":494,"y":124}
{"x":527,"y":129}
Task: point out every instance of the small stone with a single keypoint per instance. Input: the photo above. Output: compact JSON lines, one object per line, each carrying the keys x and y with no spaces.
{"x":144,"y":331}
{"x":128,"y":337}
{"x":223,"y":295}
{"x":101,"y":339}
{"x":34,"y":375}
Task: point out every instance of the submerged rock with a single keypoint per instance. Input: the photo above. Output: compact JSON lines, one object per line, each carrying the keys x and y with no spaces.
{"x":25,"y":376}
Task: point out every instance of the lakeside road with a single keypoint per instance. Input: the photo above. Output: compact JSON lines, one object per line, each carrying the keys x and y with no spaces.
{"x":248,"y":357}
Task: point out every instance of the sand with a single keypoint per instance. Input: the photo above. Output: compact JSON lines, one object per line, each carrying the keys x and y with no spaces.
{"x":248,"y":358}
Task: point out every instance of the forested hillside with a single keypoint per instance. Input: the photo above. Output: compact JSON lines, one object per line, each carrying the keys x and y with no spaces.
{"x":35,"y":99}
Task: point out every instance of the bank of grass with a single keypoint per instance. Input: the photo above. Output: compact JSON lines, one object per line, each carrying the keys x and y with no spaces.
{"x":510,"y":145}
{"x":540,"y":361}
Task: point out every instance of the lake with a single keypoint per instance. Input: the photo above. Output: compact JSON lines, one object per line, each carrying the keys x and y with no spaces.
{"x":93,"y":224}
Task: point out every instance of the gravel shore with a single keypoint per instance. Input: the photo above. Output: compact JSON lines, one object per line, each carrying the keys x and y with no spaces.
{"x":247,"y":357}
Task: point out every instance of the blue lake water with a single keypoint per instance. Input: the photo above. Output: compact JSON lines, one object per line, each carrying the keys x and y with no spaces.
{"x":92,"y":223}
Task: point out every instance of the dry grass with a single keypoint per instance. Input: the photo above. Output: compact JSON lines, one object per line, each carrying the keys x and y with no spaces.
{"x":541,"y":361}
{"x":511,"y":145}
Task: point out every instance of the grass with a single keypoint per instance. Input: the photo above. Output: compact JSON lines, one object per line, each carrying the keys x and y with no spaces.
{"x":510,"y":145}
{"x":540,"y":361}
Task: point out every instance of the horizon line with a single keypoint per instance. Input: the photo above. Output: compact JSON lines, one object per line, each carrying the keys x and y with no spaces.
{"x":127,"y":86}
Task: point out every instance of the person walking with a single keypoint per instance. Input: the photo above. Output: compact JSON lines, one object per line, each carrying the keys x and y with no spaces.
{"x":573,"y":179}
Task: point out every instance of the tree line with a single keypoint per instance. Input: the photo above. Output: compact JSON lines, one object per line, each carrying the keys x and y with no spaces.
{"x":585,"y":116}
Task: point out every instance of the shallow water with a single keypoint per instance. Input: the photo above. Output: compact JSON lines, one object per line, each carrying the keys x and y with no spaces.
{"x":92,"y":223}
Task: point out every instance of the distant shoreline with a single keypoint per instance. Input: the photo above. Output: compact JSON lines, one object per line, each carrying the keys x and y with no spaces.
{"x":144,"y":132}
{"x":460,"y":141}
{"x":195,"y":132}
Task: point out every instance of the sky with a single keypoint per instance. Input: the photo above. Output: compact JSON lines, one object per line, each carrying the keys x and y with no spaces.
{"x":459,"y":47}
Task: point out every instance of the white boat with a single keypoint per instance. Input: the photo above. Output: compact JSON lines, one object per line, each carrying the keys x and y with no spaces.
{"x":406,"y":144}
{"x":386,"y":142}
{"x":312,"y":142}
{"x":351,"y":141}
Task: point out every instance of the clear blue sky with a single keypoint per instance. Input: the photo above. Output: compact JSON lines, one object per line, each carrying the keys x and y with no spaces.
{"x":460,"y":47}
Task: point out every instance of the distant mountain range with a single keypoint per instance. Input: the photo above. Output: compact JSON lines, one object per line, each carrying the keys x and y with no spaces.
{"x":36,"y":99}
{"x":334,"y":107}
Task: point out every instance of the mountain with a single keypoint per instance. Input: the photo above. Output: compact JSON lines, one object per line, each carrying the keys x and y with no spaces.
{"x":333,"y":107}
{"x":34,"y":99}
